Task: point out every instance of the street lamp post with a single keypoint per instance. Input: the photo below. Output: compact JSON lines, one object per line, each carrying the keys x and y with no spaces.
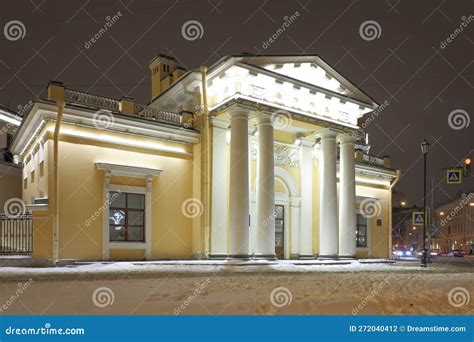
{"x":425,"y":146}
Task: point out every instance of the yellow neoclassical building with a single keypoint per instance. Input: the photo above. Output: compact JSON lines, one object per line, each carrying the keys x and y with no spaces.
{"x":254,"y":157}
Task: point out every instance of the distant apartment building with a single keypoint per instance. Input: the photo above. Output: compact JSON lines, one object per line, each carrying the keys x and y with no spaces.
{"x":454,"y":222}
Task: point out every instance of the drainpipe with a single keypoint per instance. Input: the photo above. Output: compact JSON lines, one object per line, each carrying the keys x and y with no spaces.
{"x":56,"y":93}
{"x":392,"y":185}
{"x":206,"y":155}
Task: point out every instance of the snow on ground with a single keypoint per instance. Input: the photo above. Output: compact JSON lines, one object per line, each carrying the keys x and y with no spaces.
{"x":193,"y":267}
{"x":223,"y":288}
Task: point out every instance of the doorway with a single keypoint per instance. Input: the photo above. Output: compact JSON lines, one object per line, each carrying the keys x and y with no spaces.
{"x":279,"y":231}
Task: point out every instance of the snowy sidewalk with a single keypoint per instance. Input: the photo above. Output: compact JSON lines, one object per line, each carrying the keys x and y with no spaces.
{"x":199,"y":268}
{"x":151,"y":288}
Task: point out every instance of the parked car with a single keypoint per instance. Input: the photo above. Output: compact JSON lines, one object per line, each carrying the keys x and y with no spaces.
{"x":436,"y":252}
{"x":456,"y":253}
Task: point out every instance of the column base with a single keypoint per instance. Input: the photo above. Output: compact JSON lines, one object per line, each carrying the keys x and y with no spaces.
{"x":306,"y":257}
{"x":217,"y":256}
{"x":347,"y":257}
{"x":238,"y":257}
{"x":199,"y":256}
{"x":327,"y":257}
{"x":264,"y":257}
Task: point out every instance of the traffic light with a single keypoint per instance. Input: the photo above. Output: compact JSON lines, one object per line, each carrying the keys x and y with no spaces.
{"x":467,"y":166}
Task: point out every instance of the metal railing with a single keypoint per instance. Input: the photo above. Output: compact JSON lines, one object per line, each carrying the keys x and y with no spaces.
{"x":87,"y":99}
{"x":372,"y":160}
{"x":16,"y":234}
{"x":157,"y":115}
{"x":113,"y":105}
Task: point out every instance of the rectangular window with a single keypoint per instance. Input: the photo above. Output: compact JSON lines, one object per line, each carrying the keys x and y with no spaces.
{"x":127,"y":217}
{"x":361,"y":233}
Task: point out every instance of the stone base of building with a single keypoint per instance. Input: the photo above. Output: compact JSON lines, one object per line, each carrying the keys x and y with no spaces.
{"x":306,"y":257}
{"x":346,"y":257}
{"x":217,"y":256}
{"x":199,"y":256}
{"x":327,"y":257}
{"x":264,"y":257}
{"x":238,"y":257}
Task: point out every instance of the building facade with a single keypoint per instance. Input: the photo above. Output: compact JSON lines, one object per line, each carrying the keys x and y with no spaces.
{"x":454,"y":222}
{"x":255,"y":157}
{"x":10,"y":173}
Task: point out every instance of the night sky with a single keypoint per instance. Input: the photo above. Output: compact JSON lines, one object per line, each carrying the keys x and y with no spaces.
{"x":408,"y":63}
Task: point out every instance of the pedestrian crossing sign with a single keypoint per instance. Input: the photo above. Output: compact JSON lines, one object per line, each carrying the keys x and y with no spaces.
{"x":418,"y":217}
{"x":454,"y":176}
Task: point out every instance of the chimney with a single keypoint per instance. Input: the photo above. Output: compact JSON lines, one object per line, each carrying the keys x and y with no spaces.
{"x":164,"y":72}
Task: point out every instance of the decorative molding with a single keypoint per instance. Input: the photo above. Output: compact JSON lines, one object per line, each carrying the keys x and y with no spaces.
{"x":42,"y":113}
{"x":127,"y":171}
{"x":284,"y":155}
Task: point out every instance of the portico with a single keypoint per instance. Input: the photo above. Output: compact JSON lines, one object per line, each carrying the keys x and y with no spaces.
{"x":337,"y":222}
{"x":291,"y":113}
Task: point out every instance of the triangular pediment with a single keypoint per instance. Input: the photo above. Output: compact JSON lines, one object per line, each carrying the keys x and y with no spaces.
{"x":310,"y":69}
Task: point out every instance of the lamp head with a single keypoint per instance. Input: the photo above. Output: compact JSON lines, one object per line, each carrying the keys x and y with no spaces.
{"x":425,"y":146}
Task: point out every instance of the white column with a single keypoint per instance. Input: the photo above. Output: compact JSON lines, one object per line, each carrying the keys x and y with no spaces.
{"x":239,"y":186}
{"x":328,"y":220}
{"x":347,"y":199}
{"x":220,"y":175}
{"x":306,"y":180}
{"x":265,"y":188}
{"x":295,"y":216}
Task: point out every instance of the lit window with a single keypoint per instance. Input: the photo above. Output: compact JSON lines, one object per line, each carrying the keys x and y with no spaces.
{"x":127,"y":217}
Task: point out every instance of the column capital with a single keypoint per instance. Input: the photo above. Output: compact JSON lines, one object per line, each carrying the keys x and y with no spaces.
{"x":238,"y":113}
{"x":346,"y":138}
{"x":264,"y":118}
{"x":327,"y":133}
{"x":306,"y":142}
{"x":219,"y":123}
